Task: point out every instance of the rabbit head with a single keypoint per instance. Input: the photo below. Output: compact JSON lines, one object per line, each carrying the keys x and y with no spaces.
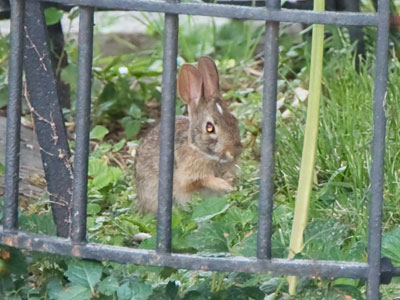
{"x":213,"y":130}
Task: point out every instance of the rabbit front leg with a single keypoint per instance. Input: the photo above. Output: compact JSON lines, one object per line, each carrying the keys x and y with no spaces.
{"x":217,"y":184}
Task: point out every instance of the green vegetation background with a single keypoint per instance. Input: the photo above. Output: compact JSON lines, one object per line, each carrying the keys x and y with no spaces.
{"x":126,"y":96}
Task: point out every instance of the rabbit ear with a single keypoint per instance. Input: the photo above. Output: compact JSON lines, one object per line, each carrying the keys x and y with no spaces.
{"x":209,"y":71}
{"x":190,"y":84}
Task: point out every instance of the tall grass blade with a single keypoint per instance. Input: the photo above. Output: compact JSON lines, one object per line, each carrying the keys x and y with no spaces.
{"x":310,"y":144}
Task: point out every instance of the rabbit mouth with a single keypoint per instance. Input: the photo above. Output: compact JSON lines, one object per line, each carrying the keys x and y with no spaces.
{"x":210,"y":156}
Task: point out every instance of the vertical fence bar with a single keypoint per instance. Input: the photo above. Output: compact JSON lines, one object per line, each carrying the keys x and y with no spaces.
{"x":167,"y":132}
{"x":267,"y":163}
{"x":14,"y":115}
{"x":43,"y":100}
{"x":79,"y":191}
{"x":378,"y":152}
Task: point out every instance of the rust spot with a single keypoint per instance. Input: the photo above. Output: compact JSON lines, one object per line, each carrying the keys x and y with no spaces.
{"x":75,"y":250}
{"x":28,"y":244}
{"x":5,"y":254}
{"x":9,"y":241}
{"x":204,"y":268}
{"x":44,"y":248}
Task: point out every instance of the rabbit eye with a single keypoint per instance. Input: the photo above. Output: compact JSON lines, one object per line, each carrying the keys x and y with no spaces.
{"x":210,"y":127}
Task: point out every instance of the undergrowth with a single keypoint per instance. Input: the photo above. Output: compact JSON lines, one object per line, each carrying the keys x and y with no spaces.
{"x":126,"y":94}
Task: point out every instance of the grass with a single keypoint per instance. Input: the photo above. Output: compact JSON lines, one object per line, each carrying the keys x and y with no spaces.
{"x":338,"y":216}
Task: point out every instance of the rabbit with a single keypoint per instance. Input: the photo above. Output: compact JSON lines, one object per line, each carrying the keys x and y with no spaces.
{"x":207,"y":142}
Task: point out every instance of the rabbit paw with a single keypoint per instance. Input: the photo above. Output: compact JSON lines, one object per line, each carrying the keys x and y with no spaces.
{"x":218,"y":184}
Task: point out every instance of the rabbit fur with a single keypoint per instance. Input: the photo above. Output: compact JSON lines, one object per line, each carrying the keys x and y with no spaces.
{"x":207,"y":143}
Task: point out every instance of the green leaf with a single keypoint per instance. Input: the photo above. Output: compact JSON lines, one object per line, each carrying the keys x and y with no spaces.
{"x":271,"y":285}
{"x":248,"y":246}
{"x":98,"y":169}
{"x":124,"y":292}
{"x":54,"y":288}
{"x":108,"y":286}
{"x":134,"y":290}
{"x":75,"y":292}
{"x":324,"y":239}
{"x":148,"y":244}
{"x":73,"y":13}
{"x":134,"y":111}
{"x":140,"y":291}
{"x":98,"y":132}
{"x":93,"y":209}
{"x":7,"y":284}
{"x":118,"y":146}
{"x":13,"y":297}
{"x":172,"y":289}
{"x":131,"y":127}
{"x":102,"y":174}
{"x":210,"y":208}
{"x":349,"y":291}
{"x":2,"y":169}
{"x":85,"y":273}
{"x":3,"y":96}
{"x":42,"y":224}
{"x":176,"y":219}
{"x":16,"y":264}
{"x":236,"y":292}
{"x":53,"y":15}
{"x":212,"y":237}
{"x":68,"y":74}
{"x":391,"y":245}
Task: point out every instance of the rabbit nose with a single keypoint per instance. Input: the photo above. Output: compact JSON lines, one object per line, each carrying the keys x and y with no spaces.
{"x":229,"y":156}
{"x":228,"y":153}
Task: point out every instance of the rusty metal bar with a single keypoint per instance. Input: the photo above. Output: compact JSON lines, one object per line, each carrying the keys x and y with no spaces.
{"x":81,"y":159}
{"x":100,"y":252}
{"x":14,"y":115}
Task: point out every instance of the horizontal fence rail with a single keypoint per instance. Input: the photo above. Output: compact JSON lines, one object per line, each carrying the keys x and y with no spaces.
{"x":101,"y":252}
{"x":272,"y":15}
{"x":231,"y":11}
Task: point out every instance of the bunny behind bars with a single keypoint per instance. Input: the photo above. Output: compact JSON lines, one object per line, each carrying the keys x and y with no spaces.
{"x":207,"y":143}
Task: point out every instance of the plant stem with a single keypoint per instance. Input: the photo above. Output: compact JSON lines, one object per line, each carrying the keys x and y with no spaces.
{"x":310,"y":144}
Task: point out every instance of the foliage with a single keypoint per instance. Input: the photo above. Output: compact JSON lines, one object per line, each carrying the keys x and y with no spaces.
{"x":53,"y":15}
{"x":4,"y":52}
{"x":391,"y":244}
{"x":126,"y":93}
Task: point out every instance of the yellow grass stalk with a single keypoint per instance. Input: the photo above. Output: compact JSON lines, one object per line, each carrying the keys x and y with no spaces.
{"x":310,"y":144}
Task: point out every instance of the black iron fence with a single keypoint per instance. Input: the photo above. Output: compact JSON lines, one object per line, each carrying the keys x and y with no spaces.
{"x":67,"y":184}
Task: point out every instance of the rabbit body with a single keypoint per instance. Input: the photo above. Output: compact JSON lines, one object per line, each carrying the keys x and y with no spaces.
{"x":207,"y":143}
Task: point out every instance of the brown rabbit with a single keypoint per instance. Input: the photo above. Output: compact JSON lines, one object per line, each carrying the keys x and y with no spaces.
{"x":207,"y":143}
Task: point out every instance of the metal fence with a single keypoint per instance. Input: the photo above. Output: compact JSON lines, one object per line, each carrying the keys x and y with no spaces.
{"x":68,"y":186}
